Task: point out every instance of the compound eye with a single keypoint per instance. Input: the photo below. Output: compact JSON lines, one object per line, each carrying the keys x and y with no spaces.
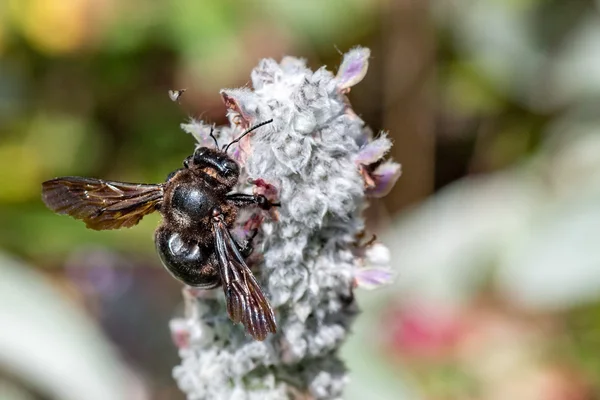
{"x":200,"y":151}
{"x":230,"y":167}
{"x":199,"y":154}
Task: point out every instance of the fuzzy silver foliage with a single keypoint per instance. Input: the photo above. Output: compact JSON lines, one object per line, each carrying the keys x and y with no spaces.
{"x":315,"y":158}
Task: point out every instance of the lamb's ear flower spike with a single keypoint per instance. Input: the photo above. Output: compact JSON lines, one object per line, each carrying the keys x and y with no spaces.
{"x":315,"y":159}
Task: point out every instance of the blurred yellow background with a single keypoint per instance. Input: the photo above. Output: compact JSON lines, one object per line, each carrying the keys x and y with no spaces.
{"x":492,"y":106}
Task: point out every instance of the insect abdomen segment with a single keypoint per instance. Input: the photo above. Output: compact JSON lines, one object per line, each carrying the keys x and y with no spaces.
{"x":192,"y":263}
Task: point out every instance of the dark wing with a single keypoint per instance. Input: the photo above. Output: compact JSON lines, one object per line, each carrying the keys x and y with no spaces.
{"x":246,"y":302}
{"x":101,"y":204}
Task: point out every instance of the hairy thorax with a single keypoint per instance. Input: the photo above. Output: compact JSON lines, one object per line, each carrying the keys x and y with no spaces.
{"x":188,"y":205}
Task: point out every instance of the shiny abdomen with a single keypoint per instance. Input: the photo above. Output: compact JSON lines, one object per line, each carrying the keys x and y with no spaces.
{"x":187,"y":261}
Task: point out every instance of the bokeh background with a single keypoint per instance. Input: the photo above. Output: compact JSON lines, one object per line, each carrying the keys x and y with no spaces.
{"x":494,"y":226}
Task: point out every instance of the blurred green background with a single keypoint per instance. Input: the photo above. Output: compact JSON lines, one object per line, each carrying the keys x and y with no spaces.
{"x":494,"y":225}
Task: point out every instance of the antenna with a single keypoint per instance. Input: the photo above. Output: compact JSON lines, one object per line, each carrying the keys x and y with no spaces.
{"x":247,"y":132}
{"x":212,"y":128}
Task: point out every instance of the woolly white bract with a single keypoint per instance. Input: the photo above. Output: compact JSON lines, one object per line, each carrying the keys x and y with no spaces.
{"x":320,"y":161}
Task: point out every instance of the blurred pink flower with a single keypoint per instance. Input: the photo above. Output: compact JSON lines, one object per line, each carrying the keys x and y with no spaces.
{"x":423,"y":332}
{"x":502,"y":353}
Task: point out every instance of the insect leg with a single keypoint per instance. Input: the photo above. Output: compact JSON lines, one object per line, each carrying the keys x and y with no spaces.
{"x":246,"y":248}
{"x":244,"y":200}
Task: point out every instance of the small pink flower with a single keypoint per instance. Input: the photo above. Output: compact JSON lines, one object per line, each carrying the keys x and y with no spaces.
{"x":384,"y":178}
{"x":379,"y":176}
{"x":353,"y":69}
{"x":372,"y":278}
{"x":375,"y":270}
{"x":253,"y":223}
{"x":374,"y":151}
{"x":264,"y":188}
{"x":186,"y":332}
{"x":180,"y":332}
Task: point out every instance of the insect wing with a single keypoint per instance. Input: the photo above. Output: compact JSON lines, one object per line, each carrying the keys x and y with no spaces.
{"x":246,"y":302}
{"x":101,"y":204}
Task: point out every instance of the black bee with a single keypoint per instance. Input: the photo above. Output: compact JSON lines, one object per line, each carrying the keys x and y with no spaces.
{"x":193,"y":240}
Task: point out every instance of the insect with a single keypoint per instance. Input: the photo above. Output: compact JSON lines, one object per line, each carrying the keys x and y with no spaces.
{"x":193,"y":240}
{"x":175,"y":95}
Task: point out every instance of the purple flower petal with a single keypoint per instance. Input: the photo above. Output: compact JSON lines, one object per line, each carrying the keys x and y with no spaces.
{"x":384,"y":176}
{"x":372,"y":278}
{"x":354,"y":67}
{"x":374,"y":151}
